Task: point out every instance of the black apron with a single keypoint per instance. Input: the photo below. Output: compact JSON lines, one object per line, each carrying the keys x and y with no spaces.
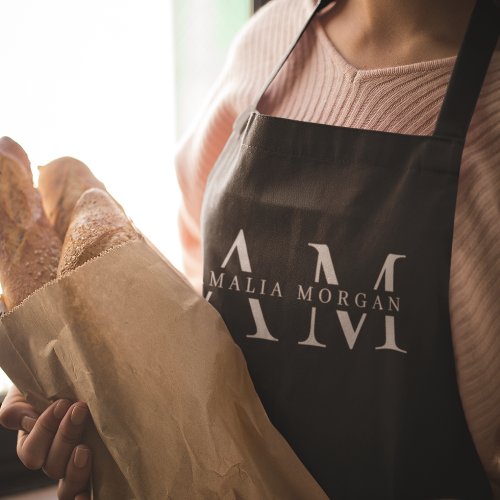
{"x":327,"y":252}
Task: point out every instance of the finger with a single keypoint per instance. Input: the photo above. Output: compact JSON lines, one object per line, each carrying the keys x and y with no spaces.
{"x":34,"y":447}
{"x":67,"y":437}
{"x":76,"y":480}
{"x":83,"y":496}
{"x":16,"y":413}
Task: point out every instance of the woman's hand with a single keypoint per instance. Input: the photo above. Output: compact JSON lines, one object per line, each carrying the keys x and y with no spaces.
{"x":50,"y":441}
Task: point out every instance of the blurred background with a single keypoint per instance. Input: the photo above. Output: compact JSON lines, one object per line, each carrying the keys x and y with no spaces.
{"x":114,"y":83}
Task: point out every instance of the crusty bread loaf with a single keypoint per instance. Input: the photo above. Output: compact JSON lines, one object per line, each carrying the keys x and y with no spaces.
{"x":97,"y":224}
{"x":89,"y":220}
{"x":12,"y":149}
{"x":29,"y":247}
{"x":61,"y":183}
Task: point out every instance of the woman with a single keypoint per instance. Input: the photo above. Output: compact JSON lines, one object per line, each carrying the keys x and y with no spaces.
{"x":327,"y":240}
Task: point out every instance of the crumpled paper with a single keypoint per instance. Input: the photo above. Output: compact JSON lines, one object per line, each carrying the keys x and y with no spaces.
{"x":175,"y":413}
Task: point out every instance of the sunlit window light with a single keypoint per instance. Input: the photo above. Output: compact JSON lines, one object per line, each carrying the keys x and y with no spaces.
{"x":94,"y":80}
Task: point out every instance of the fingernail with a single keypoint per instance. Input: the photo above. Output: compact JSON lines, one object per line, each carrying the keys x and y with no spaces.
{"x":27,"y":423}
{"x":81,"y":457}
{"x":78,"y":415}
{"x":61,"y":408}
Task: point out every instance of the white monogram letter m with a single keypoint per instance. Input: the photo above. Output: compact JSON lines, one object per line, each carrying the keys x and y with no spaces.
{"x":388,"y":272}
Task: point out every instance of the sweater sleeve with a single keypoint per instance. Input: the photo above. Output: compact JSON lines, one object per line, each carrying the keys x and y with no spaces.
{"x":252,"y":55}
{"x":195,"y":156}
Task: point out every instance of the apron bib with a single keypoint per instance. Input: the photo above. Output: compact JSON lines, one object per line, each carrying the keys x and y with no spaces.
{"x":327,"y":252}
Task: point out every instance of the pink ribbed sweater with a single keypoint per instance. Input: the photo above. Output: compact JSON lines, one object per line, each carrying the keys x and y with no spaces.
{"x":318,"y":85}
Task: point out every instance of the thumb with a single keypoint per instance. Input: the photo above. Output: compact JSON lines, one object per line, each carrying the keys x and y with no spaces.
{"x":16,"y":413}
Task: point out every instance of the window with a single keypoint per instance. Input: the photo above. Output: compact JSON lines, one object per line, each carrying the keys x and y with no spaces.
{"x":203,"y":33}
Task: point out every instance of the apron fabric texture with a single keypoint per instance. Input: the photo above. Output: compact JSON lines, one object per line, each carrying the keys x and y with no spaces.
{"x":327,"y":252}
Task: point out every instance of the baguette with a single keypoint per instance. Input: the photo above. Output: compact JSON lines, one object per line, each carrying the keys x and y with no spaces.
{"x":98,"y":223}
{"x":29,"y":247}
{"x":12,"y":149}
{"x":61,"y":182}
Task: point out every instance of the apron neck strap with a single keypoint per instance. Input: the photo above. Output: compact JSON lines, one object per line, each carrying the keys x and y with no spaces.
{"x":469,"y":71}
{"x":320,"y":5}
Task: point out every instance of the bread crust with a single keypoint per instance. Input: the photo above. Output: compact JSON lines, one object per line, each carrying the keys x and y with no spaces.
{"x":11,"y":148}
{"x":98,"y":224}
{"x":29,"y":247}
{"x":31,"y":252}
{"x":61,"y":183}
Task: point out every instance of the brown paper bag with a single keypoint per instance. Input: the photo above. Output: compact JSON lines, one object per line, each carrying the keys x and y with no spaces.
{"x":175,"y":412}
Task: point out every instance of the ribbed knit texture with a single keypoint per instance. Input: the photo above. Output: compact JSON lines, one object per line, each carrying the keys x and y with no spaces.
{"x":318,"y":85}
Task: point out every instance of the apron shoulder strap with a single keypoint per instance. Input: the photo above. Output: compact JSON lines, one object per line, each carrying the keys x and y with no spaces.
{"x":239,"y":124}
{"x":469,"y":71}
{"x":466,"y":79}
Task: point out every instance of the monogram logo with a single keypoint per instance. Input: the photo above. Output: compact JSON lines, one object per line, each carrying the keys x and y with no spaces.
{"x":324,"y":274}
